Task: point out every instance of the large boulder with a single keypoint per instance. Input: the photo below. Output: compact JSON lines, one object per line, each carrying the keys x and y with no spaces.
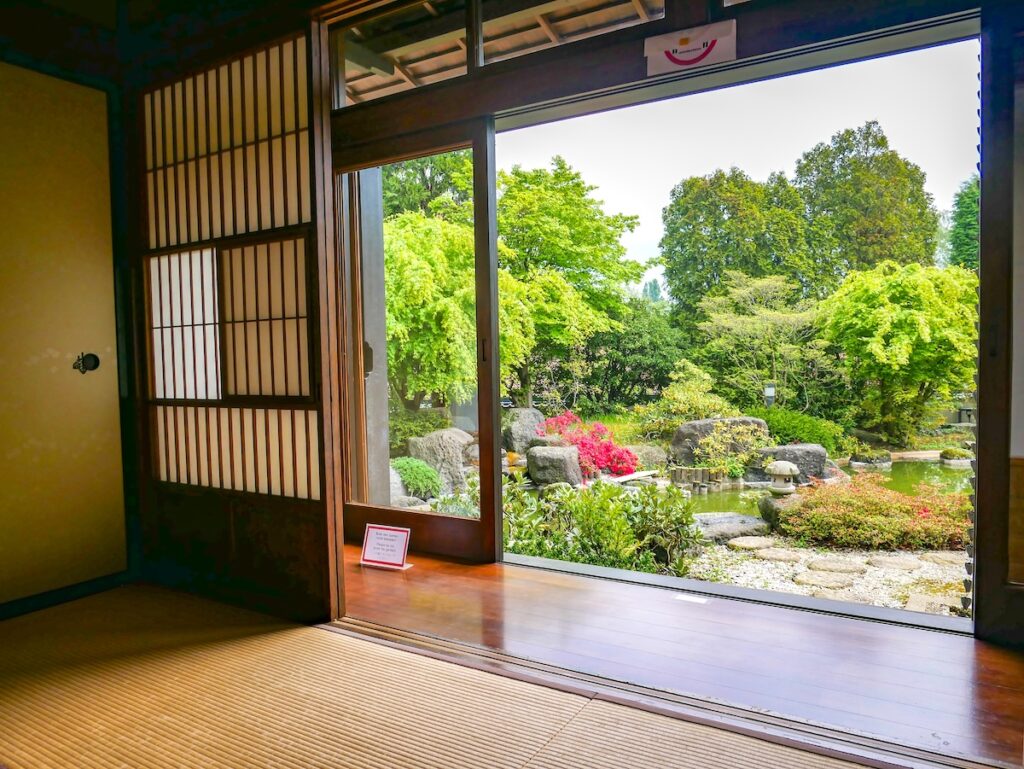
{"x":548,"y":440}
{"x":651,"y":457}
{"x":554,"y":464}
{"x":689,"y":434}
{"x":443,"y":450}
{"x":721,"y":527}
{"x":810,"y":459}
{"x":520,"y":428}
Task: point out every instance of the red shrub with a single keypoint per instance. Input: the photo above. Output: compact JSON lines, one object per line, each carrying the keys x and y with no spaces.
{"x":864,"y":514}
{"x":596,"y":448}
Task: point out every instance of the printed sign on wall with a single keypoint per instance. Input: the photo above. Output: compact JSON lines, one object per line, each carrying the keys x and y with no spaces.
{"x":385,"y":547}
{"x":691,"y":48}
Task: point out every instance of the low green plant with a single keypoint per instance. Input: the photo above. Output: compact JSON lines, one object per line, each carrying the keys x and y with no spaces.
{"x":420,"y":479}
{"x":689,"y":397}
{"x":730,"y":446}
{"x":404,"y":424}
{"x":603,"y":524}
{"x":789,"y":426}
{"x":955,"y":452}
{"x":862,"y":452}
{"x":461,"y":504}
{"x":864,"y":514}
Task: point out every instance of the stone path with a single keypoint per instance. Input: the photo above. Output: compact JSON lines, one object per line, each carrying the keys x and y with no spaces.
{"x":918,"y":581}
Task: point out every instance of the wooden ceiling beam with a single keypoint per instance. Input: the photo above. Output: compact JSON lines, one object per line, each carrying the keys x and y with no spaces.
{"x":549,"y":30}
{"x":641,"y":10}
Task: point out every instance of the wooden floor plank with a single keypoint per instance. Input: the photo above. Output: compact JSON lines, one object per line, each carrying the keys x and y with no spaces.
{"x":920,"y":688}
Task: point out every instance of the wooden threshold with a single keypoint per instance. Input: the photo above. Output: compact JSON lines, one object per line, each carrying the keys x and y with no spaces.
{"x":920,"y":694}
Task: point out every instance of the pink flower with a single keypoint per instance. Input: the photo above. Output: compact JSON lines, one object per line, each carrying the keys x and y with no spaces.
{"x":594,"y":442}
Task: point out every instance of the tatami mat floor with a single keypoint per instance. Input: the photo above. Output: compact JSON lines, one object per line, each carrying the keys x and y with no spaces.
{"x":145,"y":677}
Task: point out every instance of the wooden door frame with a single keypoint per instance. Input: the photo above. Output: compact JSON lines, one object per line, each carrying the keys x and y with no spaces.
{"x":469,"y":539}
{"x":999,"y":603}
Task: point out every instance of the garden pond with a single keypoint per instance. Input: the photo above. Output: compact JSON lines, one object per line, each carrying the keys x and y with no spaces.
{"x":903,"y":476}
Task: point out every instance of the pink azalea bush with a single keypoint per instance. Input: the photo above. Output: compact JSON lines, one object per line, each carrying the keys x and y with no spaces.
{"x":594,"y":441}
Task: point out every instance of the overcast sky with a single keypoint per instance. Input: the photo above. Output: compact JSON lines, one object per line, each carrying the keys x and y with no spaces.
{"x":926,"y":102}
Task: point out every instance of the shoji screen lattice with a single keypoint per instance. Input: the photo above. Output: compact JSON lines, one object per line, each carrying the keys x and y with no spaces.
{"x":228,"y":281}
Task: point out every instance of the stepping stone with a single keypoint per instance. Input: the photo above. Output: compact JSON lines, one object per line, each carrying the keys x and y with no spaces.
{"x":721,"y":527}
{"x":944,"y":558}
{"x":750,"y":543}
{"x":893,"y":562}
{"x":777,"y":554}
{"x":931,"y":604}
{"x":836,"y":565}
{"x":829,"y":579}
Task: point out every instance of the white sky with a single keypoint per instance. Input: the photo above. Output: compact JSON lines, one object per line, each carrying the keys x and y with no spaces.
{"x":926,"y":102}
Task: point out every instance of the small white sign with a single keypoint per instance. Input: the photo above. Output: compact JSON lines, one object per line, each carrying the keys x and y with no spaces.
{"x":691,"y":48}
{"x":385,"y":547}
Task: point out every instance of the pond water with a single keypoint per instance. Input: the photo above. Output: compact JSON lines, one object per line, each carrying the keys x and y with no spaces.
{"x":904,"y":476}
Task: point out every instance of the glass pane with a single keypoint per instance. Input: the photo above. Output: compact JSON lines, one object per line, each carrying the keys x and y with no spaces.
{"x":416,"y":405}
{"x":753,"y":364}
{"x":418,"y":45}
{"x":511,"y":30}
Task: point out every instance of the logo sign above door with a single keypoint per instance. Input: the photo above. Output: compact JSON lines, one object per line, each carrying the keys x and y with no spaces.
{"x":691,"y":48}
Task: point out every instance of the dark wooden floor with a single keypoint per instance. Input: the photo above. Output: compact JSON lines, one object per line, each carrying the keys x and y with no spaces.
{"x":920,"y":688}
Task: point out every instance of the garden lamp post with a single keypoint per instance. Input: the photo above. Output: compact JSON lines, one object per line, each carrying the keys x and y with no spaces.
{"x":769,"y":393}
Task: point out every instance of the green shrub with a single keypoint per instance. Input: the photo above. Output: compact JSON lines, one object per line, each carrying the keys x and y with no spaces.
{"x":788,"y":426}
{"x":864,"y":514}
{"x":420,"y":479}
{"x":689,"y":397}
{"x":461,"y":504}
{"x":954,"y":452}
{"x":731,"y":447}
{"x":862,"y":452}
{"x":404,"y":424}
{"x":602,"y":524}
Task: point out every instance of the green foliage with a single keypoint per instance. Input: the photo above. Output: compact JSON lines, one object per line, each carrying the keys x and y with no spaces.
{"x":431,"y":309}
{"x":404,"y":424}
{"x":727,"y":221}
{"x":955,"y":452}
{"x":964,"y":233}
{"x":652,"y":291}
{"x":788,"y":426}
{"x":864,"y":514}
{"x":862,"y":452}
{"x":556,"y":237}
{"x":731,"y":446}
{"x":865,"y":204}
{"x":688,"y":397}
{"x":632,"y":362}
{"x":462,"y":504}
{"x":759,"y":330}
{"x":414,"y":185}
{"x":420,"y":479}
{"x":908,"y":338}
{"x":602,"y":524}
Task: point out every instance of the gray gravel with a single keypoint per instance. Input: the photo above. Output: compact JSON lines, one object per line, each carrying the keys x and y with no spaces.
{"x":880,"y":586}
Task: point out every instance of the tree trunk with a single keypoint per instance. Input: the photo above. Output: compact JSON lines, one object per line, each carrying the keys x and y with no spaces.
{"x":525,"y":386}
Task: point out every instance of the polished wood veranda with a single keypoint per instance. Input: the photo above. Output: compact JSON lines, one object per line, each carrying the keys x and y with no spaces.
{"x":941,"y":692}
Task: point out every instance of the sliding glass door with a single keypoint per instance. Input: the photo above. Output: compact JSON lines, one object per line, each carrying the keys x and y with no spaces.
{"x":420,"y":382}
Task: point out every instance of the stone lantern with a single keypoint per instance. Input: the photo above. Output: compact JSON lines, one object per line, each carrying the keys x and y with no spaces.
{"x":783,"y":475}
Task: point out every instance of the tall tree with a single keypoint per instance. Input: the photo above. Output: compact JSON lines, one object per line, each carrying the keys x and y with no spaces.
{"x":761,"y":330}
{"x":632,"y":363}
{"x":964,"y":234}
{"x":652,"y":290}
{"x":865,"y":203}
{"x":908,"y":338}
{"x":556,"y":235}
{"x":727,"y":221}
{"x":413,"y":185}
